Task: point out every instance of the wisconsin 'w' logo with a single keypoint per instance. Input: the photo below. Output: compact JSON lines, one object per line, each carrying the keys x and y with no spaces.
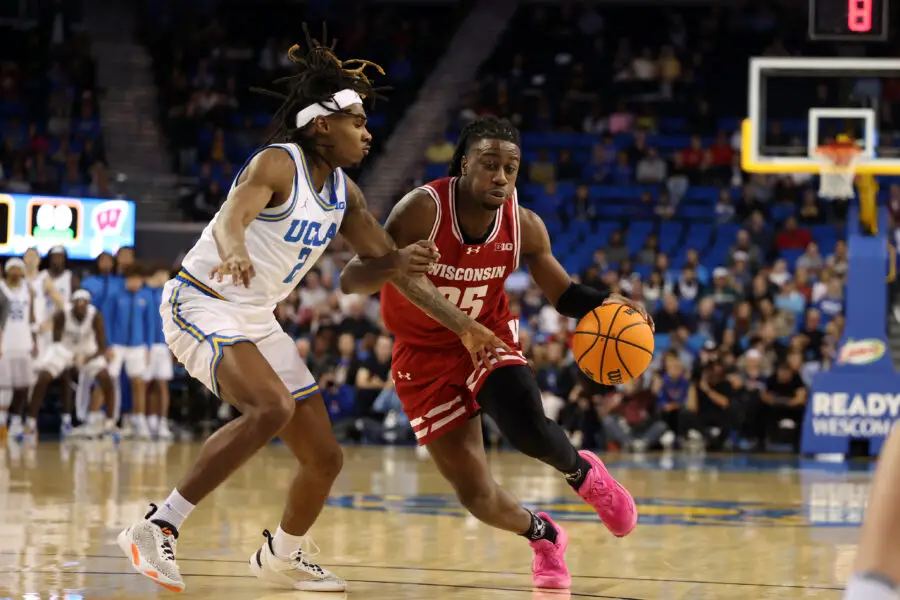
{"x":109,"y":217}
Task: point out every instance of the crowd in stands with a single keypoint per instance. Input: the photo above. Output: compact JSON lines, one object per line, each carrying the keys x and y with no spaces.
{"x":639,"y":184}
{"x":50,"y":135}
{"x":208,"y":55}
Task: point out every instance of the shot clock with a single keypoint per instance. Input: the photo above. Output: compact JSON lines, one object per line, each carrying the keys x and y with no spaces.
{"x":848,"y":20}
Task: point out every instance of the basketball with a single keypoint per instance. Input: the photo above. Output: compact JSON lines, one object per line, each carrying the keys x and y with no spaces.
{"x":613,"y":344}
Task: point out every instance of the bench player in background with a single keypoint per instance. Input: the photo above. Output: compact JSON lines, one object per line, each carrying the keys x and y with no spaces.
{"x":286,"y":204}
{"x":480,"y":232}
{"x":159,"y":367}
{"x":17,"y":348}
{"x":79,"y":342}
{"x":133,"y":320}
{"x":5,"y":395}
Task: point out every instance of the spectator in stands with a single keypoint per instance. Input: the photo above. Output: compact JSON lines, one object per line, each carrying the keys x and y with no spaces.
{"x":440,"y":151}
{"x":707,"y":323}
{"x":792,"y":237}
{"x":716,"y":412}
{"x":725,"y":211}
{"x":832,"y":303}
{"x":779,"y":274}
{"x":616,"y":251}
{"x":811,"y":260}
{"x":674,"y":394}
{"x":837,"y":262}
{"x":651,"y":169}
{"x":687,"y":287}
{"x":783,"y":399}
{"x":720,"y":157}
{"x":724,"y":292}
{"x":582,"y":207}
{"x":810,"y":213}
{"x":543,"y":170}
{"x":647,"y":255}
{"x":678,"y":182}
{"x":670,"y":317}
{"x":789,"y":299}
{"x":760,"y":234}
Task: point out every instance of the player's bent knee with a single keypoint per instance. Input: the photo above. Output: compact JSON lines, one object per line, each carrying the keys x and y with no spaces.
{"x":475,"y":495}
{"x":328,"y":463}
{"x":271,"y":414}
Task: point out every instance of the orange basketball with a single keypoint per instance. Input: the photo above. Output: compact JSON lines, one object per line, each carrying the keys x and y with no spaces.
{"x":613,"y":344}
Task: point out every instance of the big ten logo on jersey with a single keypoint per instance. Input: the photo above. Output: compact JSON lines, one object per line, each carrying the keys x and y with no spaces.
{"x":310,"y":234}
{"x":503,"y":246}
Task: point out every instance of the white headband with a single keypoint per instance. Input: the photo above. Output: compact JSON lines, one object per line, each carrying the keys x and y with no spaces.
{"x":81,"y":295}
{"x":339,"y":101}
{"x":15,"y":262}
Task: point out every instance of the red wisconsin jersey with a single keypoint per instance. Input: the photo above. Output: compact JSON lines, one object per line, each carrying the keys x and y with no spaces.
{"x":471,"y":276}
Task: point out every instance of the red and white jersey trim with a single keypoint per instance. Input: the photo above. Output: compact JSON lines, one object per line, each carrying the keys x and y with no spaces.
{"x":437,"y":215}
{"x":515,"y":357}
{"x":427,"y":424}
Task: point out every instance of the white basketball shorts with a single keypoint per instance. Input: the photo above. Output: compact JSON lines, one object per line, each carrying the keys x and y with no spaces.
{"x":160,"y":367}
{"x":16,"y":371}
{"x":199,"y":325}
{"x":57,"y":358}
{"x":133,"y":358}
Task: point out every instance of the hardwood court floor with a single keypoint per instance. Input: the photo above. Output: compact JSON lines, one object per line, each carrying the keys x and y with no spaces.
{"x":710,"y":529}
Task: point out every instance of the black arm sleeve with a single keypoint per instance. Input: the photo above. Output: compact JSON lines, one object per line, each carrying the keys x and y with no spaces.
{"x":578,"y":300}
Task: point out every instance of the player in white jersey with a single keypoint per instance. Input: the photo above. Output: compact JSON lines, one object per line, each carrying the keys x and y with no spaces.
{"x":17,"y":347}
{"x":79,"y":342}
{"x":287,"y":203}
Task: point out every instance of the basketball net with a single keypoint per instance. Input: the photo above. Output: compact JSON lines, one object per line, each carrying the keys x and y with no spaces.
{"x":838,"y":169}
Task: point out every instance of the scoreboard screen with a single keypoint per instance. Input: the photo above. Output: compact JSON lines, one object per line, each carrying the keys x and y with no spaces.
{"x":849,"y":20}
{"x":84,"y":226}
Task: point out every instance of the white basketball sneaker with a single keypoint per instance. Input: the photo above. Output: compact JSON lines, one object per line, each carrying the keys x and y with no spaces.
{"x":150,"y":546}
{"x":295,"y":572}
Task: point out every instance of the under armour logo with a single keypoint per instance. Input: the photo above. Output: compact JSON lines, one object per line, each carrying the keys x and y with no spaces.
{"x":473,"y":249}
{"x":402,"y":375}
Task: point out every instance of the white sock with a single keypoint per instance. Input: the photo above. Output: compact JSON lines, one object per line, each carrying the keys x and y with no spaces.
{"x":110,"y":424}
{"x":285,"y":543}
{"x":31,"y":423}
{"x":863,"y":586}
{"x":66,"y":419}
{"x":174,"y":510}
{"x":95,"y":418}
{"x":3,"y":417}
{"x":153,"y":422}
{"x":15,"y":421}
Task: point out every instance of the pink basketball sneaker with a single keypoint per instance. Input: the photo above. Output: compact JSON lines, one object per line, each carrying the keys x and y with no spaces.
{"x":549,"y":565}
{"x":608,"y":497}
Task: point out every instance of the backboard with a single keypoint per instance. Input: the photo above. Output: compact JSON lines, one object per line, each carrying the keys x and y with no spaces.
{"x":796,"y":104}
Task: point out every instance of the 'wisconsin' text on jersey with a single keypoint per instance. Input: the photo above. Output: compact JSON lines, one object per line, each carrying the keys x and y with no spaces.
{"x":467,"y":273}
{"x":471,"y":274}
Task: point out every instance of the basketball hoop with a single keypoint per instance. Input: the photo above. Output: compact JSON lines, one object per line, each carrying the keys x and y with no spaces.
{"x":838,"y":169}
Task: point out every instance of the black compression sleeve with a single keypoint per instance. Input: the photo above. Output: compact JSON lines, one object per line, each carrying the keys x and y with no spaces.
{"x":578,"y":300}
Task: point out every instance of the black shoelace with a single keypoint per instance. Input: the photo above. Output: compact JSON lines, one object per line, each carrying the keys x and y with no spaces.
{"x":167,"y":551}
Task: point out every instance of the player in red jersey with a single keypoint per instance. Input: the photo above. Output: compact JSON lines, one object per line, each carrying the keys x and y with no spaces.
{"x":474,"y":222}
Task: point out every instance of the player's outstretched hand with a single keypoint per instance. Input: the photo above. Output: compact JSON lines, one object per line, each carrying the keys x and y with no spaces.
{"x":483,"y":345}
{"x":620,"y":299}
{"x":238,"y":267}
{"x":417,"y":258}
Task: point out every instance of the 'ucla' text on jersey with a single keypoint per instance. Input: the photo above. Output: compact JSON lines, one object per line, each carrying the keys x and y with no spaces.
{"x":284,"y":242}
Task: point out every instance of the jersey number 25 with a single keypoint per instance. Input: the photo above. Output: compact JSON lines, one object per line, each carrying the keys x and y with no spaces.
{"x":470,"y":300}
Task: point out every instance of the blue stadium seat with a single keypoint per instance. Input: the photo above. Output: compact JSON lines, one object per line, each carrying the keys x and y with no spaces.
{"x":661,"y":342}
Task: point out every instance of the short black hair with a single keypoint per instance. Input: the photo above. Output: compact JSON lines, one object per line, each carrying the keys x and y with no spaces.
{"x":320,"y":76}
{"x":485,"y":128}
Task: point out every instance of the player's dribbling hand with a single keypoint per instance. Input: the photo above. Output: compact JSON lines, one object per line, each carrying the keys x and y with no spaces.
{"x":417,"y":258}
{"x":620,"y":299}
{"x":238,"y":266}
{"x":483,"y":345}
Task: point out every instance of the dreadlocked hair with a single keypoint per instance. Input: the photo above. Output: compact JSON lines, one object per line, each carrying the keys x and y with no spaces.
{"x":321,"y":74}
{"x":485,"y":128}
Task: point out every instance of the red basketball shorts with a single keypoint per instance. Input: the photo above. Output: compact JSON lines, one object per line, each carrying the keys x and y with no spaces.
{"x":437,"y":386}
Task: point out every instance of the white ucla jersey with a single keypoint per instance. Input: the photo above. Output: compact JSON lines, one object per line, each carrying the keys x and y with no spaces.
{"x":284,"y":242}
{"x":78,"y":336}
{"x":17,"y":335}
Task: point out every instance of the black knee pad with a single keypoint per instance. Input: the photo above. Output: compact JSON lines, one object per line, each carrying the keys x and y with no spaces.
{"x":511,"y":397}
